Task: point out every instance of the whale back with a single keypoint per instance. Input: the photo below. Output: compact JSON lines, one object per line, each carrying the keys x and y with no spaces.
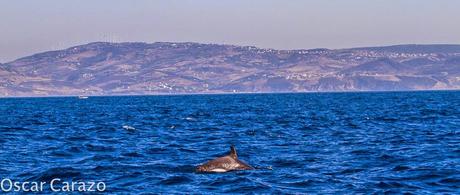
{"x":226,"y":163}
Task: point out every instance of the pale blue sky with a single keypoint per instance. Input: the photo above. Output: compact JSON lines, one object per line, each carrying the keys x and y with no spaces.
{"x":30,"y":26}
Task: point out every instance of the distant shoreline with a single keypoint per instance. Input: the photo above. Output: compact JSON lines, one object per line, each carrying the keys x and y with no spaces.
{"x":165,"y":68}
{"x":231,"y":93}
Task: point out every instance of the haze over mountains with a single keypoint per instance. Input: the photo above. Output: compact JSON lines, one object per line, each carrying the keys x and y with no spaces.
{"x":102,"y":68}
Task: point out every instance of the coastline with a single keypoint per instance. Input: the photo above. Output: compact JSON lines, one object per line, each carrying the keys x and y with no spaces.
{"x":234,"y":93}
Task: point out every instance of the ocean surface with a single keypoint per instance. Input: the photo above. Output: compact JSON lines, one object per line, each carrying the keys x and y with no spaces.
{"x":300,"y":143}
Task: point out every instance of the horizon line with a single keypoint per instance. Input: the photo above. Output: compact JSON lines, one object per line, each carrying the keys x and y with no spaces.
{"x":237,"y":93}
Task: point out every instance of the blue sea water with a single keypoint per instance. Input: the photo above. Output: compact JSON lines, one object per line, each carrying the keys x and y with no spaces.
{"x":301,"y":143}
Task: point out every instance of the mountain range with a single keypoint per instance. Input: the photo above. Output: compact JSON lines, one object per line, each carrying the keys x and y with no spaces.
{"x":103,"y":68}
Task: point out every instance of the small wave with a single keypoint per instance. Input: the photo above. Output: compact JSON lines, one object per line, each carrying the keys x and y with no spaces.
{"x":388,"y":158}
{"x":352,"y":171}
{"x":190,"y":119}
{"x":174,"y":180}
{"x":60,"y":154}
{"x":132,"y":154}
{"x":386,"y":119}
{"x":187,"y":150}
{"x":48,"y":137}
{"x":401,"y":168}
{"x":387,"y":185}
{"x":175,"y":169}
{"x":98,"y":158}
{"x":249,"y":188}
{"x":395,"y":185}
{"x":129,"y":128}
{"x":74,"y":149}
{"x":251,"y":132}
{"x":450,"y":181}
{"x":286,"y":163}
{"x":78,"y":138}
{"x":98,"y":148}
{"x":13,"y":129}
{"x":223,"y":181}
{"x":36,"y":122}
{"x":303,"y":183}
{"x":57,"y":172}
{"x":362,"y":152}
{"x":101,"y":168}
{"x":157,"y":151}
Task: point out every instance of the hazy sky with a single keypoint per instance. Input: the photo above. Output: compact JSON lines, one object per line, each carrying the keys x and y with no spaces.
{"x":30,"y":26}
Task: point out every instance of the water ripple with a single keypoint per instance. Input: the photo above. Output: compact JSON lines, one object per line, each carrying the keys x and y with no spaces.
{"x":324,"y":143}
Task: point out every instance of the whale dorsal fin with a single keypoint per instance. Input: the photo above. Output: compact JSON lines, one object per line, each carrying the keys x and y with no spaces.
{"x":233,"y":152}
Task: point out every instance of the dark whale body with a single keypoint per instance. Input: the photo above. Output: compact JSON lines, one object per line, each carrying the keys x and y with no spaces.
{"x":224,"y":164}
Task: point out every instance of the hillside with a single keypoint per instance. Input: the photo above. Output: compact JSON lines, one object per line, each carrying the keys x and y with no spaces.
{"x":162,"y":68}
